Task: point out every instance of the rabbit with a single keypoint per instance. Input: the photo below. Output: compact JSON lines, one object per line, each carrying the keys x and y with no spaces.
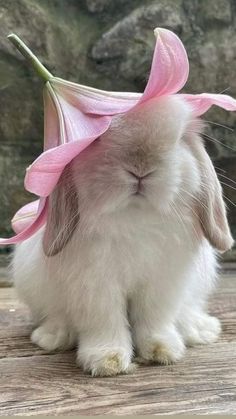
{"x":129,"y":254}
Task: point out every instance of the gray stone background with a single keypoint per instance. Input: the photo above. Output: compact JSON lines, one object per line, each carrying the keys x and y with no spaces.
{"x":108,"y":44}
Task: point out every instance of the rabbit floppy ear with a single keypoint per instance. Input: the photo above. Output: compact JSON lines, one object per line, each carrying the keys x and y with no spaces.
{"x":210,"y":205}
{"x":63,"y":214}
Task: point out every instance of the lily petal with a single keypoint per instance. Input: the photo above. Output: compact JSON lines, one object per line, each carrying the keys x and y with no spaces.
{"x":79,"y":126}
{"x":37,"y":222}
{"x":94,"y":101}
{"x":200,"y":103}
{"x":65,"y":122}
{"x":25,"y":216}
{"x":71,"y":131}
{"x":169,"y":73}
{"x":43,"y":175}
{"x":51,"y":122}
{"x":170,"y":66}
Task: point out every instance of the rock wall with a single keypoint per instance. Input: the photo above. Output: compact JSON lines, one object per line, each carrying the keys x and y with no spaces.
{"x":107,"y":44}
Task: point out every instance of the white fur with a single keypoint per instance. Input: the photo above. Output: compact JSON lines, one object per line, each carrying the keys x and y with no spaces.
{"x":136,"y":273}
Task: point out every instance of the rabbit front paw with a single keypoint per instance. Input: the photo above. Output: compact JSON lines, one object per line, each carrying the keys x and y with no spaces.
{"x":105,"y":365}
{"x":199,"y":328}
{"x":162,"y":350}
{"x":52,"y":336}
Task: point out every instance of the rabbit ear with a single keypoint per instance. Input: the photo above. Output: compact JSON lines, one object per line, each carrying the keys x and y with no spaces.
{"x":210,"y":205}
{"x":63,"y":215}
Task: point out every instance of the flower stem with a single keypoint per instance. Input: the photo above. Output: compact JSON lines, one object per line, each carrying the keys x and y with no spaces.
{"x":31,"y":58}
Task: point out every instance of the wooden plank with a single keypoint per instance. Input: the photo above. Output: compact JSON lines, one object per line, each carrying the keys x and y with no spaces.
{"x":37,"y":383}
{"x":53,"y":384}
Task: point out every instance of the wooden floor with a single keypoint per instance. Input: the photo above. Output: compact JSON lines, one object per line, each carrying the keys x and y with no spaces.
{"x":33,"y":382}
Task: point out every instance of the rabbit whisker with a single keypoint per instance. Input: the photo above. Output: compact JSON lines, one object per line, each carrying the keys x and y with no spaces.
{"x":219,"y":125}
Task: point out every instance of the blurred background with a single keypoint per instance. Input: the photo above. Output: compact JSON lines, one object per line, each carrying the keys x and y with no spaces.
{"x":109,"y":44}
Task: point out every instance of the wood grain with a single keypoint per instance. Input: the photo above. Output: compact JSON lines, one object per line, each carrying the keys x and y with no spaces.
{"x":34,"y":382}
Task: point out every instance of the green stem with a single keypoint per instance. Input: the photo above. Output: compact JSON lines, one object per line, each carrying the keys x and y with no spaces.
{"x":31,"y":58}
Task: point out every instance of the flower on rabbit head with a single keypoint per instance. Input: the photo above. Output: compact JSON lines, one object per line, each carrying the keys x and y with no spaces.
{"x":76,"y":115}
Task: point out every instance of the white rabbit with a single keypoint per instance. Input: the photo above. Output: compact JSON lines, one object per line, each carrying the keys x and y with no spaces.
{"x":128,"y":256}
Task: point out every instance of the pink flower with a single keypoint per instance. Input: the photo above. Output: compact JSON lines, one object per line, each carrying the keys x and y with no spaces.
{"x":76,"y":115}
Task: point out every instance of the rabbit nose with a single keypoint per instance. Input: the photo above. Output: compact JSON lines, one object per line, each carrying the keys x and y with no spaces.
{"x":138,"y":177}
{"x":134,"y":175}
{"x":139,"y":187}
{"x":138,"y":180}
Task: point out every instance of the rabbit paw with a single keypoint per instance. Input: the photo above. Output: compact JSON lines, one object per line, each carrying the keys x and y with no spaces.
{"x":161,"y":350}
{"x":199,"y":329}
{"x":108,"y":365}
{"x":50,"y":337}
{"x":111,"y":365}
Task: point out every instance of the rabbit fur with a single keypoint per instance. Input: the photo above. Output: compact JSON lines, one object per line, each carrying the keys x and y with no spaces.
{"x":129,"y":254}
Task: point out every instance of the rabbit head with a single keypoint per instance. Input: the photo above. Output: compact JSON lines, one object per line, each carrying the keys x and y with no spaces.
{"x":140,"y":164}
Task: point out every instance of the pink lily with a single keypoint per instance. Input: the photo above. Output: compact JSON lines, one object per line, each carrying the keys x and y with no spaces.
{"x":76,"y":115}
